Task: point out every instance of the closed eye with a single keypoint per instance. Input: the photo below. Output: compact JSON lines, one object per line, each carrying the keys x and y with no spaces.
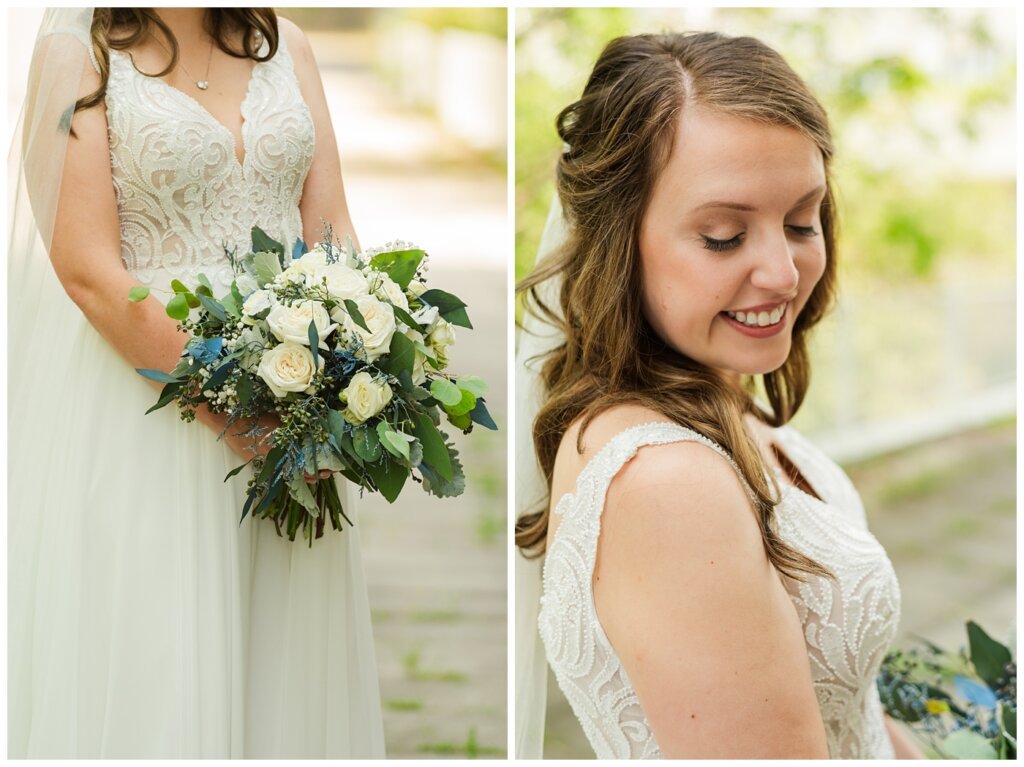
{"x":804,"y":231}
{"x":717,"y":245}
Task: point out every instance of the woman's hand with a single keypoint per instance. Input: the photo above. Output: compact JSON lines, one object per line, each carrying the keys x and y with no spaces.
{"x":243,"y":445}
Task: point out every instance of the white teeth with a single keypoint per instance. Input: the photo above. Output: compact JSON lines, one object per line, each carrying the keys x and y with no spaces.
{"x":760,"y":319}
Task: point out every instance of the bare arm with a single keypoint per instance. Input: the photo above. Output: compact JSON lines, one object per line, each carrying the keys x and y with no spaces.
{"x":698,"y":616}
{"x":902,"y":743}
{"x":323,"y":195}
{"x":86,"y":256}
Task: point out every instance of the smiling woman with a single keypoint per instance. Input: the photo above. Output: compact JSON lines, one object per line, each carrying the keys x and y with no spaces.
{"x":710,"y":587}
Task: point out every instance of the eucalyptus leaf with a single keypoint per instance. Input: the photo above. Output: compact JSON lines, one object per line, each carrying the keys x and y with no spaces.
{"x":299,"y":250}
{"x":138,"y":293}
{"x":177,"y":307}
{"x":299,"y":490}
{"x":463,"y":421}
{"x":205,"y":281}
{"x":474,"y":384}
{"x":237,"y":469}
{"x":267,"y":267}
{"x":214,"y":307}
{"x":463,"y":407}
{"x":445,"y":392}
{"x":167,"y":395}
{"x":336,"y":425}
{"x":156,"y":375}
{"x":480,"y":415}
{"x":314,"y":337}
{"x":179,"y":287}
{"x":393,"y":441}
{"x":967,"y":744}
{"x":244,"y":390}
{"x":973,"y":692}
{"x":366,"y":443}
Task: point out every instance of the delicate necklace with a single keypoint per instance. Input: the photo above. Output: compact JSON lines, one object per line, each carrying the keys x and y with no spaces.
{"x":200,"y":84}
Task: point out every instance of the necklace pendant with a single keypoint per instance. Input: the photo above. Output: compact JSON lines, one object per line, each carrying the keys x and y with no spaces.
{"x":202,"y":84}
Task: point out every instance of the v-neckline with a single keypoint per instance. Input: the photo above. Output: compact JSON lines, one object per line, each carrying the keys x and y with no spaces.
{"x":206,"y":112}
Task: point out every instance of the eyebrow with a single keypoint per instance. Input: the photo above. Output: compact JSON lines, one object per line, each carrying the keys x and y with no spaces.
{"x":743,"y":206}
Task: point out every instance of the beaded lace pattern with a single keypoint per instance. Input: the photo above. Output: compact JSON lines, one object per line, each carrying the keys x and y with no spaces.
{"x":848,"y":624}
{"x":182,"y":193}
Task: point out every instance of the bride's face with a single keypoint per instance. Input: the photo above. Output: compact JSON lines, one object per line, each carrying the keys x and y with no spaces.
{"x":731,"y":243}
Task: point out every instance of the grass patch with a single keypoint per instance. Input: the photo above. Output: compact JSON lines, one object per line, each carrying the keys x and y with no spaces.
{"x":411,"y":662}
{"x":470,"y":748}
{"x":403,"y":705}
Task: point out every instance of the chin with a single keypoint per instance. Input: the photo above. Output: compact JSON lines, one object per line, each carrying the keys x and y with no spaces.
{"x":767,"y":362}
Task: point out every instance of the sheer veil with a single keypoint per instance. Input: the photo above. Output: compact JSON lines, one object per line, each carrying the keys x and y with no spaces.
{"x":535,"y":339}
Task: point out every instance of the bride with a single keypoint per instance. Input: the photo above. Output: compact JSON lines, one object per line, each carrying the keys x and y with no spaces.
{"x":143,"y":620}
{"x":710,"y":588}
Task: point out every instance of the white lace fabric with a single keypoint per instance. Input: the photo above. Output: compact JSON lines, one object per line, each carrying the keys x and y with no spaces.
{"x":182,"y":193}
{"x":848,"y":624}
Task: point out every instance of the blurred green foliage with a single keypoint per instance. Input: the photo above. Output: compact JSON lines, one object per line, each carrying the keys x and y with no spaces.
{"x":488,"y":21}
{"x":902,"y":219}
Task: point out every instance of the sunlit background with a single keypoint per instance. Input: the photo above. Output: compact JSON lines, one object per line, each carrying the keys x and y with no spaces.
{"x":914,"y":373}
{"x":418,"y":98}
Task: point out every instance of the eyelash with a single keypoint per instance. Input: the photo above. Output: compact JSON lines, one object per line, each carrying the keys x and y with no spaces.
{"x":719,"y":245}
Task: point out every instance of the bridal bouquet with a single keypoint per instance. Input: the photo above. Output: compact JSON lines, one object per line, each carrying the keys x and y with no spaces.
{"x":964,"y":704}
{"x":349,"y":351}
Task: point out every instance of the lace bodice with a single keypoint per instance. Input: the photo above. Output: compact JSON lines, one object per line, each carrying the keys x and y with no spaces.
{"x":181,"y":192}
{"x":848,"y":625}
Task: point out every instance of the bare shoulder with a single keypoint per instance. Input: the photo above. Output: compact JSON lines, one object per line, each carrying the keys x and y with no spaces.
{"x":298,"y":44}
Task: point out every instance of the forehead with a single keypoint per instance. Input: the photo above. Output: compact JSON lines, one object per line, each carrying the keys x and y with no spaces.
{"x":718,"y":156}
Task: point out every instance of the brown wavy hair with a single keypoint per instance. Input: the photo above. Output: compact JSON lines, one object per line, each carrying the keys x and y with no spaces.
{"x":123,"y":28}
{"x":619,"y":135}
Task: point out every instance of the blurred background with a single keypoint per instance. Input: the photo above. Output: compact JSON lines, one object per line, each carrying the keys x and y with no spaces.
{"x":418,"y":98}
{"x":914,"y":372}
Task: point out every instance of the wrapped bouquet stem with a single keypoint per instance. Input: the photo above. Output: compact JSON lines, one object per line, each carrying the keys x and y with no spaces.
{"x":348,"y":351}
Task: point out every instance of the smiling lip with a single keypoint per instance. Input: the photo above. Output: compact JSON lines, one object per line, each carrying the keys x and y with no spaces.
{"x":761,"y":307}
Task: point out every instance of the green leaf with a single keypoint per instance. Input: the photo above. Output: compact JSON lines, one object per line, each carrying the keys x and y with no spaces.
{"x":202,"y":290}
{"x":394,"y":441}
{"x":214,"y":307}
{"x":177,"y":307}
{"x":480,"y":415}
{"x":967,"y":744}
{"x":458,"y":317}
{"x":271,"y":463}
{"x":264,"y":243}
{"x":988,"y":656}
{"x":474,"y":384}
{"x":389,"y":477}
{"x":434,"y":451}
{"x":314,"y":338}
{"x":244,"y":390}
{"x":298,"y":488}
{"x":231,"y":306}
{"x":237,"y":469}
{"x":236,"y":294}
{"x":192,"y":300}
{"x":366,"y":444}
{"x":336,"y":425}
{"x":267,"y":267}
{"x":445,"y":302}
{"x":205,"y":282}
{"x":401,"y":315}
{"x":167,"y":395}
{"x":179,"y":287}
{"x":220,"y":375}
{"x":355,"y":314}
{"x":440,"y":486}
{"x":399,"y":265}
{"x":462,"y":421}
{"x":445,"y":392}
{"x":401,"y":356}
{"x":138,"y":293}
{"x":465,"y":404}
{"x":157,"y":375}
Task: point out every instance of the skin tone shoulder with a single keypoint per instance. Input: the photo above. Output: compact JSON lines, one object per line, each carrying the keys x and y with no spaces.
{"x":86,"y":247}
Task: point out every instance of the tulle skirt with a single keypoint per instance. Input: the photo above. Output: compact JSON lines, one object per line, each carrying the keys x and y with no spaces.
{"x":143,"y":620}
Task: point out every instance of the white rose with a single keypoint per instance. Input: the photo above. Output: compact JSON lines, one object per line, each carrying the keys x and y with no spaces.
{"x":366,"y":397}
{"x":246,"y":284}
{"x":380,"y":320}
{"x":256,"y":303}
{"x":442,"y":335}
{"x":417,"y":288}
{"x":288,"y":367}
{"x":426,"y":315}
{"x":306,"y":268}
{"x":344,"y":282}
{"x":291,"y":323}
{"x":388,"y":289}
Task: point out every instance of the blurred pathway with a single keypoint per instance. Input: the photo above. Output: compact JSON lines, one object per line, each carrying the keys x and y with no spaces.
{"x":436,"y":568}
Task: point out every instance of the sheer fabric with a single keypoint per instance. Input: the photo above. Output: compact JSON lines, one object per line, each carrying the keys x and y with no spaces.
{"x":144,"y":621}
{"x":848,"y":625}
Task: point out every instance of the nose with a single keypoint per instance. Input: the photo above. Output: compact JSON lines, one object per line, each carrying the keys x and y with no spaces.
{"x":775,"y":270}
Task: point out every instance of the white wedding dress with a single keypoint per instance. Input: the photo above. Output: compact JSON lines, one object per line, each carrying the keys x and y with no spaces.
{"x":143,"y":620}
{"x":848,"y":625}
